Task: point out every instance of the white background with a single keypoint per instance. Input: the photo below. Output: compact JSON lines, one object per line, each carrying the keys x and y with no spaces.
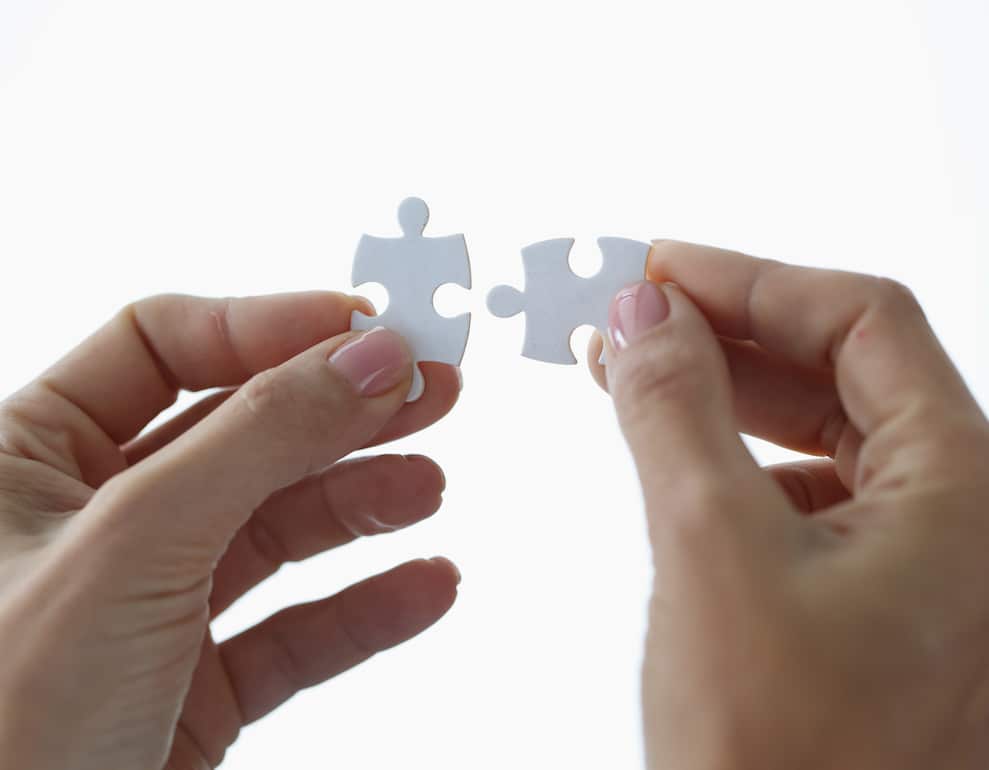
{"x":242,"y":147}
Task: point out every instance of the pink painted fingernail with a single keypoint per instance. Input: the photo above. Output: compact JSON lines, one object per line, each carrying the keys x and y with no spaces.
{"x":374,"y":363}
{"x":634,"y":311}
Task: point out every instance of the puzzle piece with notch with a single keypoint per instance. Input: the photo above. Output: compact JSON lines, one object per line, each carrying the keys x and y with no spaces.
{"x":555,"y":301}
{"x":412,"y":268}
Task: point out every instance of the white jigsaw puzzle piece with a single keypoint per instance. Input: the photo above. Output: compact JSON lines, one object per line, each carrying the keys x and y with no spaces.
{"x":412,"y":268}
{"x":555,"y":301}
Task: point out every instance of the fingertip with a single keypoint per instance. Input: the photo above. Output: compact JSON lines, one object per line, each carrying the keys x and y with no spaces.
{"x":363,"y":305}
{"x":671,"y":388}
{"x":442,"y":389}
{"x":431,"y":473}
{"x":309,"y":310}
{"x":657,"y":250}
{"x":448,"y":566}
{"x":443,"y":384}
{"x":661,"y":250}
{"x":375,"y":363}
{"x":427,"y":590}
{"x":681,"y":305}
{"x":635,"y":312}
{"x":594,"y":348}
{"x":390,"y":608}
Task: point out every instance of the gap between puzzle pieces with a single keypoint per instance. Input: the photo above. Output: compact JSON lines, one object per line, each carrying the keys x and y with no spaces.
{"x":556,"y":301}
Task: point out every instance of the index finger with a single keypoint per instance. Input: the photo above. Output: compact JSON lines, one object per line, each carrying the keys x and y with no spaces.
{"x":870,"y":331}
{"x":132,"y":369}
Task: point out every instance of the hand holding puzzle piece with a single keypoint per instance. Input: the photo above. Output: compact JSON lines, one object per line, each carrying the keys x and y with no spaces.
{"x":412,"y":268}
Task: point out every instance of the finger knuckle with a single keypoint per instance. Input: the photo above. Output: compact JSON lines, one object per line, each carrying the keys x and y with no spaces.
{"x":704,"y":498}
{"x":288,"y":406}
{"x":118,"y":493}
{"x":269,"y":394}
{"x":267,"y":543}
{"x":955,"y":447}
{"x":31,"y":428}
{"x":694,"y":511}
{"x":669,"y":370}
{"x":149,"y":306}
{"x":895,"y":298}
{"x":11,"y":420}
{"x":152,"y":300}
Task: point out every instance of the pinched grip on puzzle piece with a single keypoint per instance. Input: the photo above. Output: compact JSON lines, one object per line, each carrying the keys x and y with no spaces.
{"x":411,"y":268}
{"x":556,"y":301}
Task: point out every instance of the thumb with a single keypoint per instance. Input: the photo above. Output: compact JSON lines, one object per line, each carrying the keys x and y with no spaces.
{"x":672,"y":392}
{"x":285,"y":423}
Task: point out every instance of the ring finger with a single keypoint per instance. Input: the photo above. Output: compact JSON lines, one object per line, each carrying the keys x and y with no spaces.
{"x":351,"y":499}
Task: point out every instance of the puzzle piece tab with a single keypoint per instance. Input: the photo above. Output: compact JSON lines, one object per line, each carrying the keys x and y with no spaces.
{"x":412,"y":268}
{"x":556,"y":301}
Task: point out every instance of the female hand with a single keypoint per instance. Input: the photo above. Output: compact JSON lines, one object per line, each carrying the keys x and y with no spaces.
{"x":833,"y":613}
{"x":116,"y":550}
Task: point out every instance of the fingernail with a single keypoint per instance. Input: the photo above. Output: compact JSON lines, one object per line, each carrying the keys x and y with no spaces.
{"x":634,"y":311}
{"x":374,"y":363}
{"x":445,"y":561}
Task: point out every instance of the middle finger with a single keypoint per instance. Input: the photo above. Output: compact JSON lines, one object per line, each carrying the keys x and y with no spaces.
{"x":363,"y":497}
{"x":442,"y":383}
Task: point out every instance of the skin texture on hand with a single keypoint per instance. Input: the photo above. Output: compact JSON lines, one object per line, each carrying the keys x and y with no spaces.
{"x":117,"y":547}
{"x":832,"y":613}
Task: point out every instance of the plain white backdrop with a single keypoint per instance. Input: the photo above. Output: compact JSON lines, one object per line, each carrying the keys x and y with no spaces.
{"x":224,"y":148}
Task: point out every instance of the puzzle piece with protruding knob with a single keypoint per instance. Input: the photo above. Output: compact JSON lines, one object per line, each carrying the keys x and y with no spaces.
{"x":556,"y":301}
{"x":411,"y":268}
